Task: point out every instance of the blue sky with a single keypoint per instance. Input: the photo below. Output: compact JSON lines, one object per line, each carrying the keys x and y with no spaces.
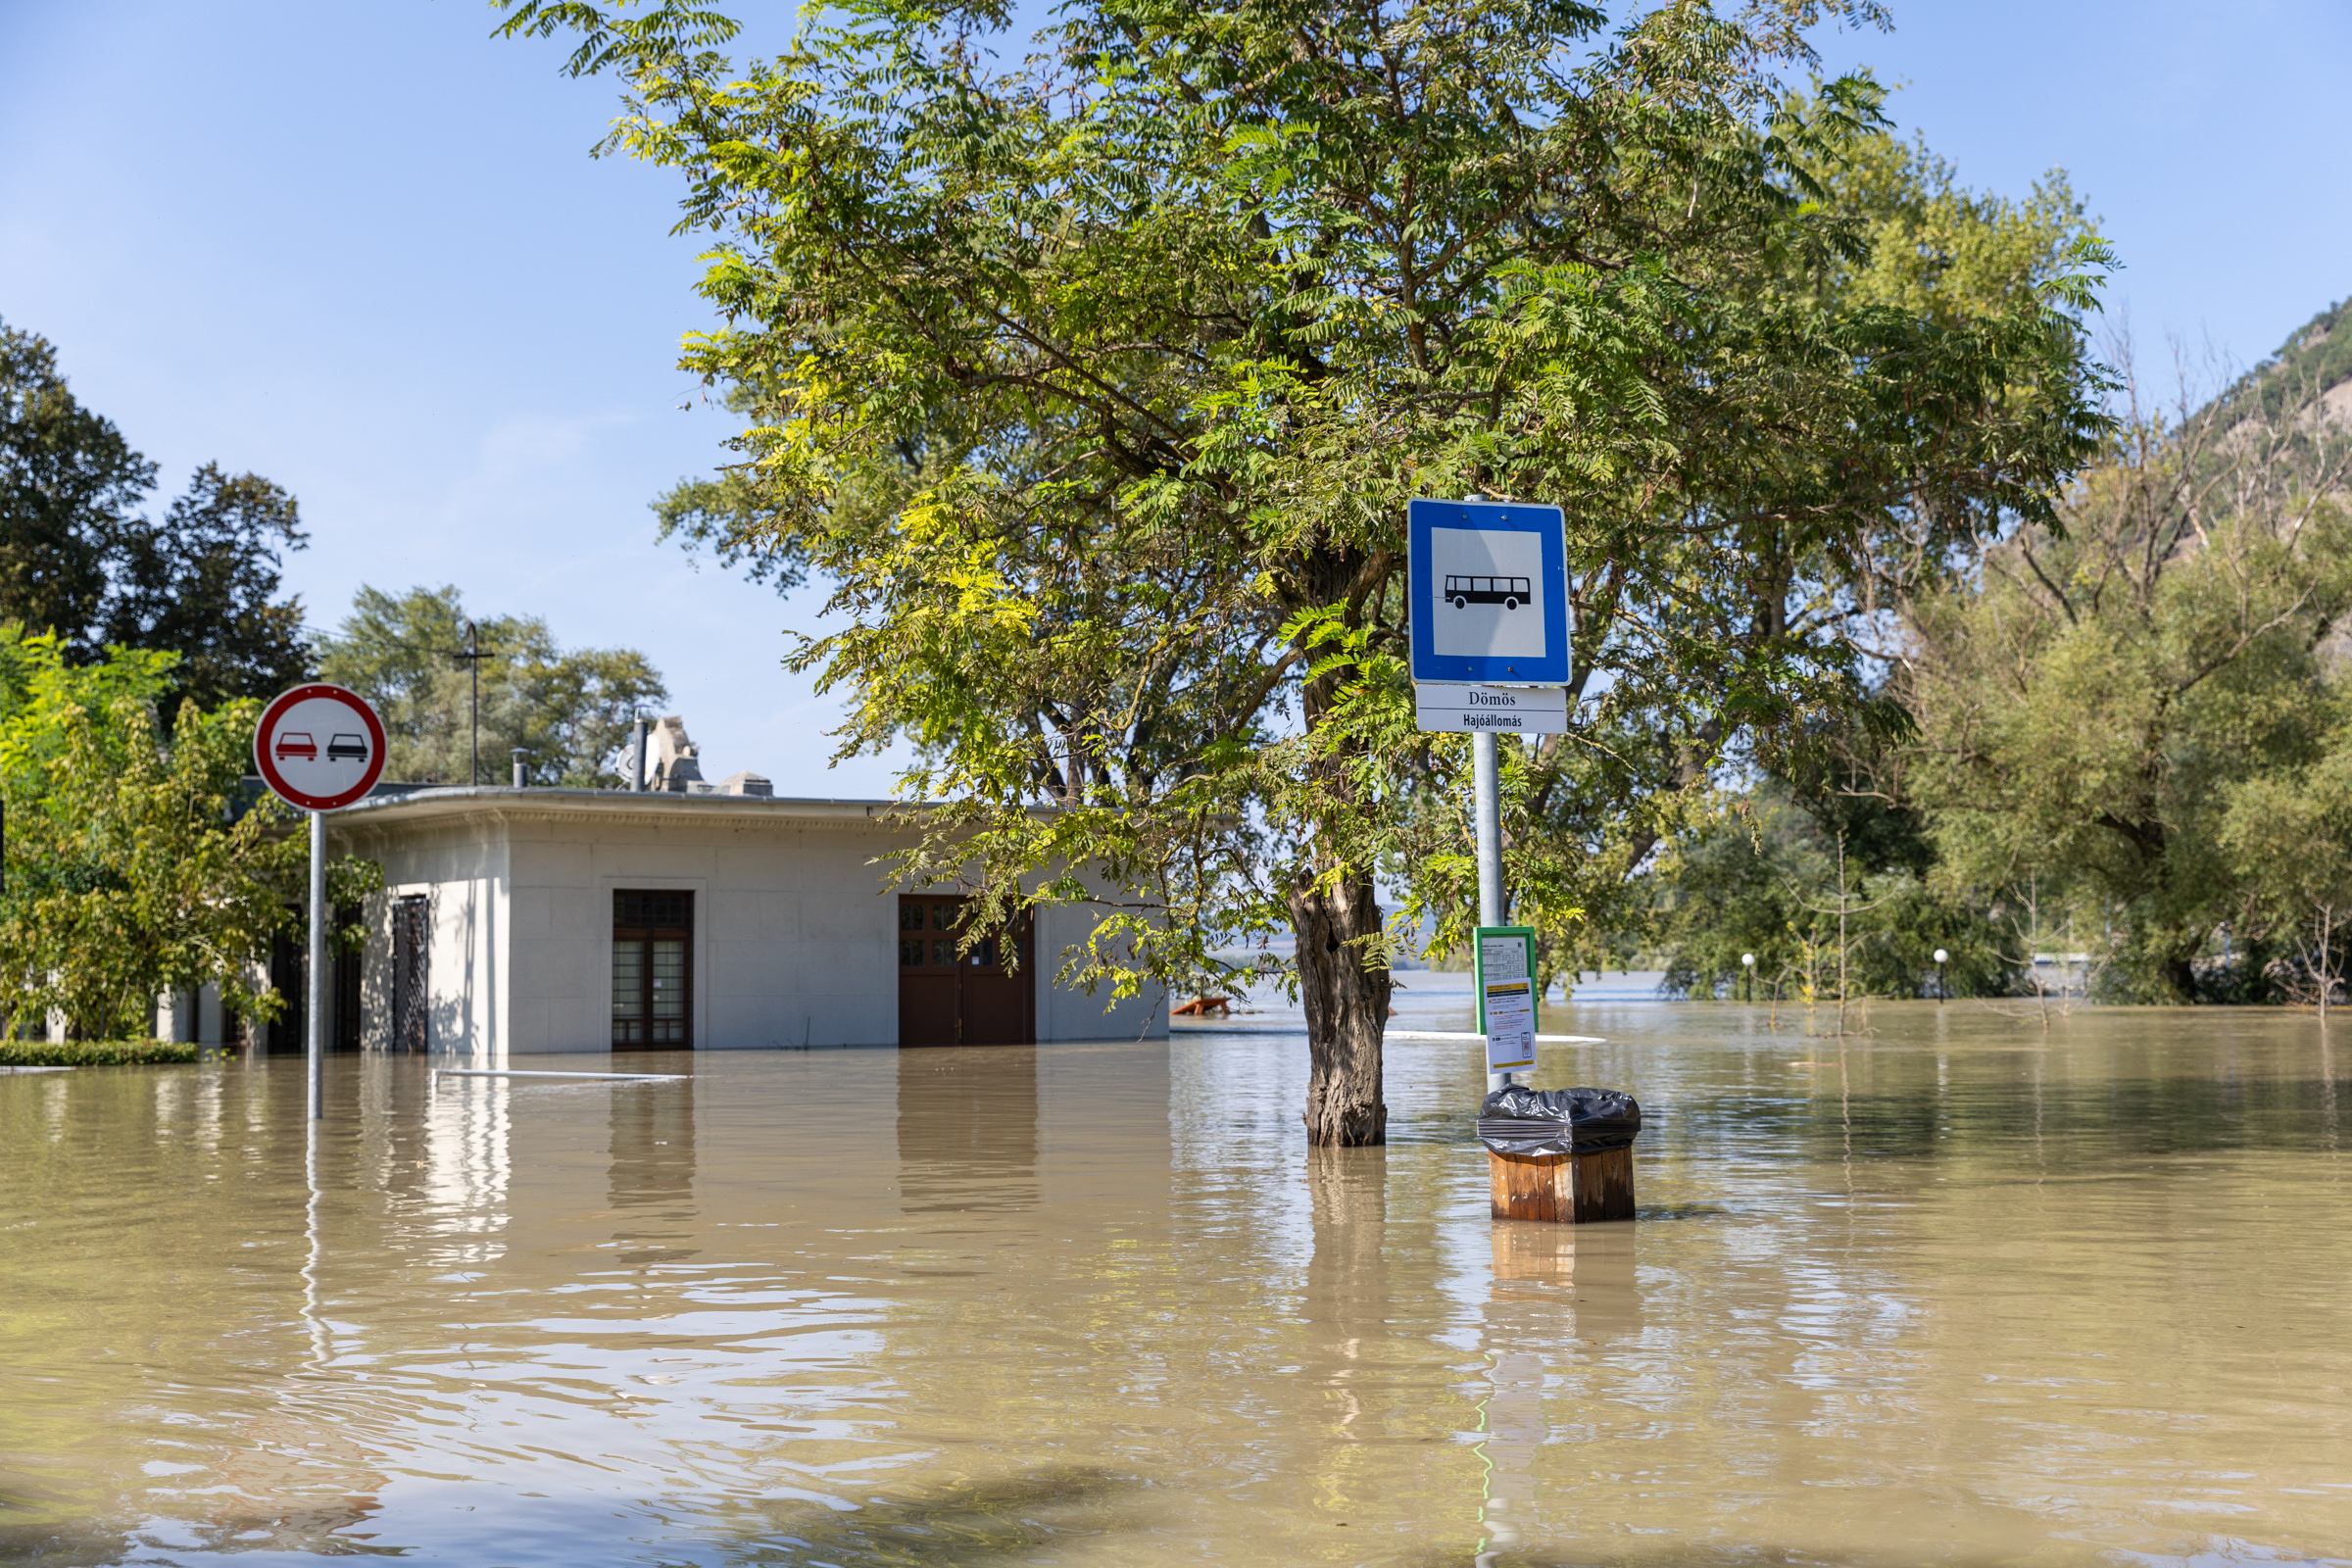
{"x":359,"y":246}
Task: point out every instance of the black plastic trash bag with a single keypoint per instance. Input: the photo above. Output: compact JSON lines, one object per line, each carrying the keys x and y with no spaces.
{"x":1520,"y":1120}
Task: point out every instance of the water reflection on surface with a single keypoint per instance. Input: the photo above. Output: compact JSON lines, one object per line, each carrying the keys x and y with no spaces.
{"x":1959,"y":1290}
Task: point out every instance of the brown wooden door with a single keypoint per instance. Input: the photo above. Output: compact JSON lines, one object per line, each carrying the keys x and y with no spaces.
{"x":927,"y":971}
{"x":978,"y":999}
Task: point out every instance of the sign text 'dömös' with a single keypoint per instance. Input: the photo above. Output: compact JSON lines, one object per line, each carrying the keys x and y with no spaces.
{"x":1504,"y":710}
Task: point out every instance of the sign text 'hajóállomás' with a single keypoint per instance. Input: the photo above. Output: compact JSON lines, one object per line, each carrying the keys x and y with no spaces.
{"x":1504,"y":710}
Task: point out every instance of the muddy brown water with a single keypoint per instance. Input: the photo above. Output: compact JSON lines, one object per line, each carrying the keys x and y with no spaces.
{"x":1958,"y":1291}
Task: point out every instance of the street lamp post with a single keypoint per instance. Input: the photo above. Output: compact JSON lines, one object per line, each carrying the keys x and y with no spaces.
{"x":1747,"y":961}
{"x":1940,"y":957}
{"x":474,"y":656}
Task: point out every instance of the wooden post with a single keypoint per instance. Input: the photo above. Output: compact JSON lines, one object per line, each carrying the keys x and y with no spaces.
{"x":1565,"y":1188}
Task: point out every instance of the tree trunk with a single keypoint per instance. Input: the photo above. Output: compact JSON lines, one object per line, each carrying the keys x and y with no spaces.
{"x":2182,"y":976}
{"x":1347,"y":1011}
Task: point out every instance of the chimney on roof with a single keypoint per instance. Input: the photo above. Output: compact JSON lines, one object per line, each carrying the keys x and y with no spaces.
{"x":676,"y":762}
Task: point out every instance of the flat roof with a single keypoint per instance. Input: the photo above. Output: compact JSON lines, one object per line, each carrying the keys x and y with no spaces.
{"x":406,"y":805}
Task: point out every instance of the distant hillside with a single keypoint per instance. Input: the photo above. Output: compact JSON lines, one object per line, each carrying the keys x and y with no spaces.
{"x":2315,"y":362}
{"x":2287,"y":423}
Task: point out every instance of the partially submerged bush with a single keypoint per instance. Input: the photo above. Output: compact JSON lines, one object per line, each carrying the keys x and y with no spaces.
{"x":96,"y":1053}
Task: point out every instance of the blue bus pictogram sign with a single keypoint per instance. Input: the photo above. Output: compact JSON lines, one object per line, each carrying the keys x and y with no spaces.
{"x":1489,"y":593}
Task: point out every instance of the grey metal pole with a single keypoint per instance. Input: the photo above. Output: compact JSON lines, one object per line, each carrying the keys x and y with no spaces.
{"x":1485,"y":783}
{"x":1485,"y":788}
{"x":315,"y":1020}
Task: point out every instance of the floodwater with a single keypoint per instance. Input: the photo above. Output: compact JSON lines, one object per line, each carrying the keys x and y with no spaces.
{"x":1959,"y":1290}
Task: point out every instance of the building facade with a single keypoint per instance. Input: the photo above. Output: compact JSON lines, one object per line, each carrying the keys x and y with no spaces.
{"x":521,"y":921}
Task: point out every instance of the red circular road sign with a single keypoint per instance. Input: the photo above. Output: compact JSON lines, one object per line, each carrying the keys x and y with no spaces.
{"x":320,"y":747}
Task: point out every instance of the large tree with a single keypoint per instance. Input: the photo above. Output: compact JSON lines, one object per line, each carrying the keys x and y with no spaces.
{"x":2099,"y":694}
{"x":138,"y":862}
{"x":68,"y":481}
{"x":568,"y":712}
{"x":202,"y":582}
{"x":1096,"y":386}
{"x":77,"y":558}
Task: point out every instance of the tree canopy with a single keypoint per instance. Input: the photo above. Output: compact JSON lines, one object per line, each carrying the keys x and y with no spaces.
{"x":1096,"y":387}
{"x":67,"y":481}
{"x":202,"y":583}
{"x":77,"y":558}
{"x":2094,"y":698}
{"x":570,"y":711}
{"x":137,"y":860}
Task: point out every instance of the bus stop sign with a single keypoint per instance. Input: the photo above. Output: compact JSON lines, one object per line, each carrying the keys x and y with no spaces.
{"x":1490,"y":593}
{"x":320,"y":747}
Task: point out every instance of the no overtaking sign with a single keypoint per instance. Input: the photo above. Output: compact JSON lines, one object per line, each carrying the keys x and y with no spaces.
{"x":320,"y":747}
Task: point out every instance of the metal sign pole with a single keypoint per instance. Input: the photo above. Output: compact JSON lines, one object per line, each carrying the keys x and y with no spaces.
{"x":1485,"y":788}
{"x":314,"y":1014}
{"x":1485,"y":783}
{"x":288,"y":754}
{"x":1492,"y":627}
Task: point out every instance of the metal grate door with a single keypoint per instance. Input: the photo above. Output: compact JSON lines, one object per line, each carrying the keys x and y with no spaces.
{"x":412,"y":994}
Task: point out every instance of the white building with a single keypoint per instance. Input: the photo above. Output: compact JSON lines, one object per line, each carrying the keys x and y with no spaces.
{"x":532,"y":920}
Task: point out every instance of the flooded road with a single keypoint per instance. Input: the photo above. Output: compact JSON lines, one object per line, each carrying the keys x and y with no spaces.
{"x":1958,"y":1291}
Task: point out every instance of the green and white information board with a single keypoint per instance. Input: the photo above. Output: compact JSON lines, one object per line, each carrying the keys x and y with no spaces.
{"x":1506,"y":995}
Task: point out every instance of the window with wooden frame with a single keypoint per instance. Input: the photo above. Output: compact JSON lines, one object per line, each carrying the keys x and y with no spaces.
{"x":653,"y":970}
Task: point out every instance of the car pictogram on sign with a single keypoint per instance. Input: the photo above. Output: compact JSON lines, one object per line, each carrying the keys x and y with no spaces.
{"x":294,"y":742}
{"x":341,"y":746}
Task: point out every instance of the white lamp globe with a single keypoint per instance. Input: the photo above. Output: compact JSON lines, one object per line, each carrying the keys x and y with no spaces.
{"x":1941,"y":955}
{"x":1748,"y":960}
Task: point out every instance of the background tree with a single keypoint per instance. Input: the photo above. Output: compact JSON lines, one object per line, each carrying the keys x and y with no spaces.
{"x":1761,"y":876}
{"x":136,"y":866}
{"x":78,"y":559}
{"x":203,"y":583}
{"x":68,"y":483}
{"x":2093,"y":696}
{"x":1097,"y":387}
{"x":2288,"y":834}
{"x":571,"y":712}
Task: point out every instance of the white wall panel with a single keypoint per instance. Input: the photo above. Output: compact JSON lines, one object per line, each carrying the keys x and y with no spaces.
{"x":796,"y":943}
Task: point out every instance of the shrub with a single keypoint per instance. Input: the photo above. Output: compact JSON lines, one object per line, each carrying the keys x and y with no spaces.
{"x":96,"y":1053}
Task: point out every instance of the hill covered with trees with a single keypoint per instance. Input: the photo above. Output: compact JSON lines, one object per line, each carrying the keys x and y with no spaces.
{"x":2124,"y":733}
